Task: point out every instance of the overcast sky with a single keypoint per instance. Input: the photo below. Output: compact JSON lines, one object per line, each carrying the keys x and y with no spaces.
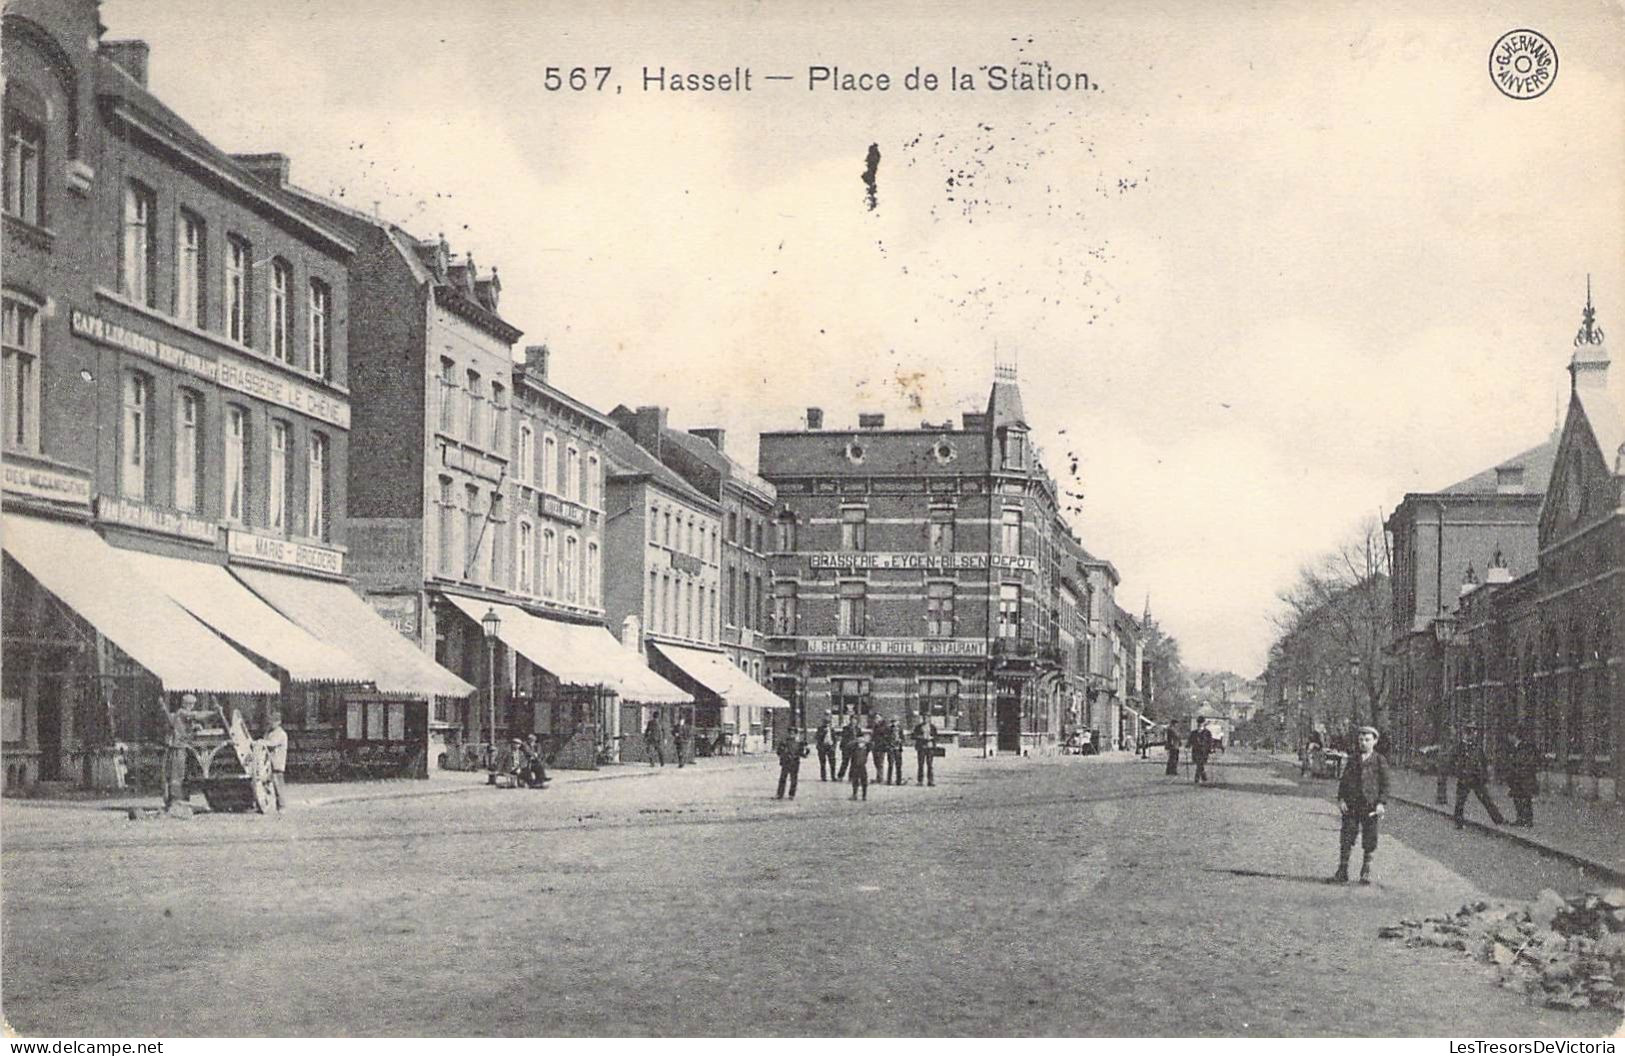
{"x":1280,"y":267}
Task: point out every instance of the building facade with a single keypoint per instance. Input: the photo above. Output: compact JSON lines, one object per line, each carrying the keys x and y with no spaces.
{"x":916,"y":571}
{"x":178,"y":415}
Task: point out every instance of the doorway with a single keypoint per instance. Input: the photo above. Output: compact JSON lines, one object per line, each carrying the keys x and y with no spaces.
{"x":1008,"y":717}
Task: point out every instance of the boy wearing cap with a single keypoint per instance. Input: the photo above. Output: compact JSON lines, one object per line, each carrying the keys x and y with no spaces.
{"x":1361,"y":797}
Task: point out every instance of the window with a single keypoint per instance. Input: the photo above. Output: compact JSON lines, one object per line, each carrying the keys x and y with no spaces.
{"x":281,"y":311}
{"x":668,"y":606}
{"x":733,"y":607}
{"x":651,"y":603}
{"x":786,"y":541}
{"x":239,"y":294}
{"x":850,"y":695}
{"x":498,"y":521}
{"x":476,"y":408}
{"x":940,"y":531}
{"x":447,"y":528}
{"x":749,"y":597}
{"x":236,"y":497}
{"x":499,"y":417}
{"x":756,"y":535}
{"x":550,"y":464}
{"x":25,"y":152}
{"x":761,"y":605}
{"x":853,"y":534}
{"x":320,"y":325}
{"x":667,"y":516}
{"x":139,"y":259}
{"x":595,"y":492}
{"x":473,"y":530}
{"x":527,"y":455}
{"x":20,"y":340}
{"x":316,"y":499}
{"x":593,"y":573}
{"x":572,"y":474}
{"x":939,"y":610}
{"x":1010,"y":537}
{"x":448,"y":395}
{"x":188,"y":452}
{"x":1015,"y":448}
{"x":190,"y":269}
{"x":549,"y":556}
{"x":692,"y":547}
{"x":939,"y":697}
{"x":280,"y":483}
{"x":135,"y":437}
{"x":1009,"y":610}
{"x":654,"y":524}
{"x":784,"y":607}
{"x":850,"y":618}
{"x":525,"y":557}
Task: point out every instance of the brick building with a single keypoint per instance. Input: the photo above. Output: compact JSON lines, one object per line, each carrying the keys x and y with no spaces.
{"x":177,"y":422}
{"x":919,"y":571}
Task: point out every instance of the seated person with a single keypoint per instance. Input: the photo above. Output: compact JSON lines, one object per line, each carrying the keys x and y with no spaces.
{"x":535,"y":772}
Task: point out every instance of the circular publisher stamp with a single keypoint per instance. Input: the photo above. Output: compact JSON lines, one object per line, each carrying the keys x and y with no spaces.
{"x":1523,"y":64}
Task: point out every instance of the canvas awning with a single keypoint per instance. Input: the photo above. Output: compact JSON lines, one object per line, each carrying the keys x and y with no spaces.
{"x":101,"y":585}
{"x":337,"y":615}
{"x":577,"y":654}
{"x":209,"y":592}
{"x":714,"y":672}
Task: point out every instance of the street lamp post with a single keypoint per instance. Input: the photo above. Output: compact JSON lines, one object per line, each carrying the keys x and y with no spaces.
{"x":491,"y":623}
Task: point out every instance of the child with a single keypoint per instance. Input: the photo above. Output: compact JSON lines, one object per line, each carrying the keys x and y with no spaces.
{"x":1361,"y":795}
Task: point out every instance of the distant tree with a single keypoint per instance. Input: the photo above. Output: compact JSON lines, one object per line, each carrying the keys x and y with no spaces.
{"x":1171,"y":695}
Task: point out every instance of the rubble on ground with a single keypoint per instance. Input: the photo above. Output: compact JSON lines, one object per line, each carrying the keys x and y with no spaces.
{"x":1566,"y":952}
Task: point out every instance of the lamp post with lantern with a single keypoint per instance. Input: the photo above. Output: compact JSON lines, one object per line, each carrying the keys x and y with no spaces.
{"x":491,"y":623}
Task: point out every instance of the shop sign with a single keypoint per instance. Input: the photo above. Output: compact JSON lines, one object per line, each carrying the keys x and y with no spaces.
{"x":386,"y":551}
{"x":922,"y":562}
{"x":276,"y":551}
{"x":46,"y":484}
{"x":685,"y":563}
{"x":563,"y":509}
{"x":924,"y":647}
{"x":151,"y":519}
{"x":98,"y":329}
{"x":399,"y":611}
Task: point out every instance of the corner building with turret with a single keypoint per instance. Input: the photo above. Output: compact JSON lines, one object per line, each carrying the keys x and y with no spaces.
{"x":919,"y":571}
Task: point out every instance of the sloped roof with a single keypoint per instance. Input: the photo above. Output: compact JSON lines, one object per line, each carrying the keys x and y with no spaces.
{"x":1536,"y":462}
{"x":1004,"y":402}
{"x":628,"y":459}
{"x":730,"y":467}
{"x":1605,"y":411}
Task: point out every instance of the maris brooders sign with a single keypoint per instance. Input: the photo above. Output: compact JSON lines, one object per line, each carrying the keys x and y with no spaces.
{"x":895,"y":646}
{"x":284,"y":552}
{"x":926,"y":562}
{"x":243,"y":377}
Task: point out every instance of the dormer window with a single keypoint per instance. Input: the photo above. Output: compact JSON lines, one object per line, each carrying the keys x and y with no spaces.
{"x":1014,"y":443}
{"x":1509,"y":480}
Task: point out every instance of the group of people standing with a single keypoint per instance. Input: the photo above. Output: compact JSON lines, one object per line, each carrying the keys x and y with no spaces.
{"x":654,"y":747}
{"x":883,"y":741}
{"x":1201,"y":743}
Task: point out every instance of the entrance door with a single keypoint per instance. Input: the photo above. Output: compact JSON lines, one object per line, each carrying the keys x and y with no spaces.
{"x":50,"y":702}
{"x":1009,"y":723}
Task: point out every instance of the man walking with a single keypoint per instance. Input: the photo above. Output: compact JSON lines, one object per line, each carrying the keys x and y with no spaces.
{"x":925,"y":752}
{"x":826,"y":750}
{"x":276,"y":750}
{"x":1171,"y":742}
{"x":858,"y":763}
{"x":879,"y":746}
{"x":849,"y":740}
{"x":791,"y":749}
{"x":1472,"y":771}
{"x":1523,"y":775}
{"x":679,"y":738}
{"x":894,"y":755}
{"x":652,"y":749}
{"x":1362,"y":794}
{"x":1201,"y":745}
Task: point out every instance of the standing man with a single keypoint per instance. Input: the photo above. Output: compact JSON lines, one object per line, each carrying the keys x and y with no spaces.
{"x":276,"y":749}
{"x":849,"y":740}
{"x":880,"y":746}
{"x":1361,"y":797}
{"x":1472,"y":775}
{"x":182,"y":726}
{"x":1523,"y":774}
{"x":791,"y":749}
{"x":894,"y":755}
{"x":925,"y":752}
{"x":679,"y":736}
{"x":1200,"y":743}
{"x":1171,"y":742}
{"x":651,"y":740}
{"x":826,"y":750}
{"x":859,"y":764}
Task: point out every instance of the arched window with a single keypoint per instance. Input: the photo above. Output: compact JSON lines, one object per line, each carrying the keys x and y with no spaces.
{"x":25,"y":125}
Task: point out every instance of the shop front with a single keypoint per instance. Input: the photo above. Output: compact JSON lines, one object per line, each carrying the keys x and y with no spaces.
{"x":737,"y":713}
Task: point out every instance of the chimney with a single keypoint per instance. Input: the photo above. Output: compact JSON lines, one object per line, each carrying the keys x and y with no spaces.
{"x":267,"y":168}
{"x":129,"y":56}
{"x":647,"y":426}
{"x":815,"y":418}
{"x":713,"y":436}
{"x":974,"y":421}
{"x":632,"y":633}
{"x":536,"y":362}
{"x":871,"y":421}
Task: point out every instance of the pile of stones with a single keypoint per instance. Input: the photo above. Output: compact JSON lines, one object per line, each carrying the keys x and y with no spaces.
{"x":1566,"y":952}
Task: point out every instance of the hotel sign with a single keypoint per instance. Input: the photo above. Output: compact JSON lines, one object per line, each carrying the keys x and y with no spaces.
{"x":242,"y":377}
{"x":922,"y":562}
{"x":268,"y":548}
{"x":151,"y":519}
{"x":921,"y":647}
{"x":562,"y":509}
{"x":46,"y":484}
